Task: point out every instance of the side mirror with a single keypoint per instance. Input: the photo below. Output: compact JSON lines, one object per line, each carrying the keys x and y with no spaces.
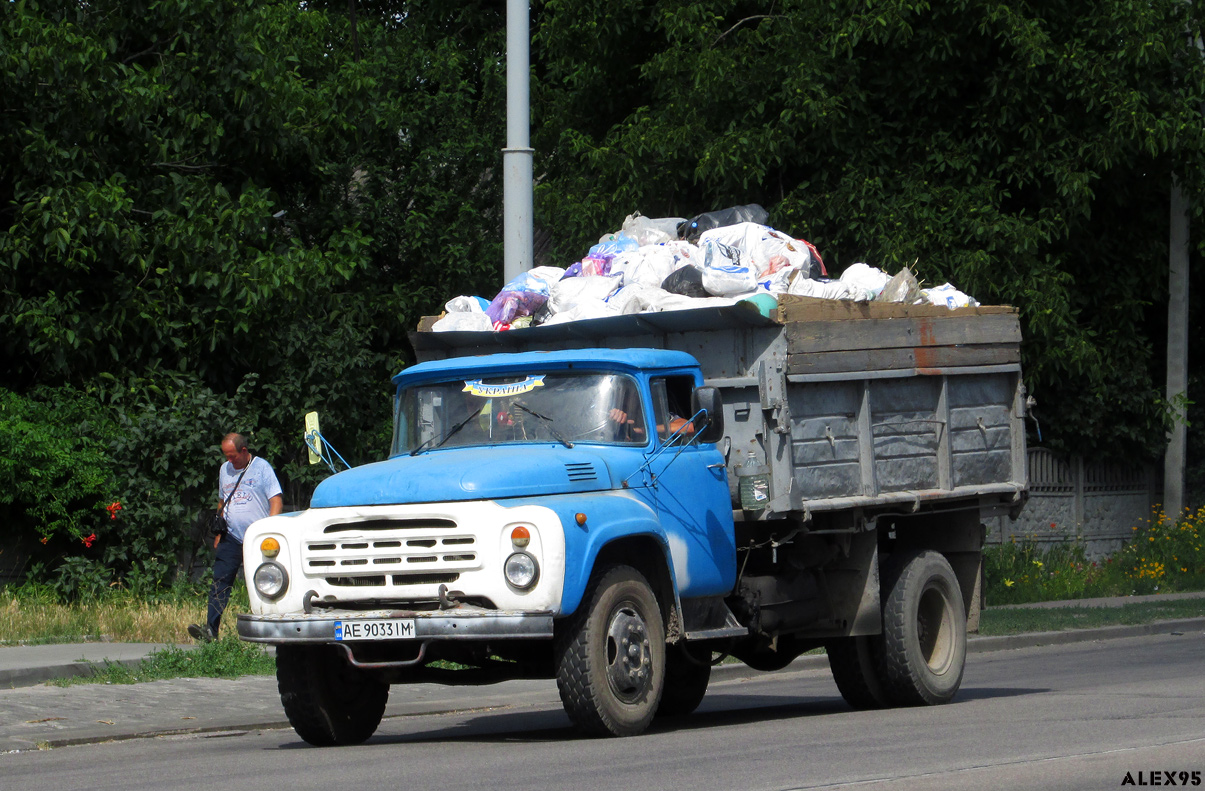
{"x":708,"y":398}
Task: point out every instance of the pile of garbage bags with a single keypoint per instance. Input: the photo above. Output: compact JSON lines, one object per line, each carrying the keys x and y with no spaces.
{"x":649,"y":265}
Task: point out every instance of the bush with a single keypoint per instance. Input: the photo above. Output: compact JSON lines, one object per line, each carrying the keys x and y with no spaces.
{"x":56,"y":477}
{"x":1166,"y":554}
{"x":1163,"y":556}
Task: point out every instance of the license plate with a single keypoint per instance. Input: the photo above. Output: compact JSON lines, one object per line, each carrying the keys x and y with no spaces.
{"x":375,"y":629}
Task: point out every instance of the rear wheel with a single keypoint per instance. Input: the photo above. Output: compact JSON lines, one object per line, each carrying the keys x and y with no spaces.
{"x":611,"y":656}
{"x":328,"y":702}
{"x":857,"y":664}
{"x":686,"y":677}
{"x":924,"y":631}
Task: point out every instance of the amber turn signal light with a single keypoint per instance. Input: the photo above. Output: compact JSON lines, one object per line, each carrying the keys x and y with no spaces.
{"x":270,"y":547}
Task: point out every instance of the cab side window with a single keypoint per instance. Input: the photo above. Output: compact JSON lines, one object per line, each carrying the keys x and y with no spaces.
{"x":671,"y":405}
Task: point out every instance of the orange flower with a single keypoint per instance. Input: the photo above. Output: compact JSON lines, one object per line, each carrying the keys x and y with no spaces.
{"x":88,"y":541}
{"x":113,"y":508}
{"x":44,"y":539}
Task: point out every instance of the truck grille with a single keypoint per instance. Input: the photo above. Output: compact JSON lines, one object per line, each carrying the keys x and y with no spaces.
{"x":385,"y":552}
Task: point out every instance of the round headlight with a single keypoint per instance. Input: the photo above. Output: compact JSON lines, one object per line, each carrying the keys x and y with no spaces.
{"x":270,"y":547}
{"x":271,"y":579}
{"x":521,"y":570}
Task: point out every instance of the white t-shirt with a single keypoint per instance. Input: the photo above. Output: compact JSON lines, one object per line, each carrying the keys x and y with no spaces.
{"x":250,"y":502}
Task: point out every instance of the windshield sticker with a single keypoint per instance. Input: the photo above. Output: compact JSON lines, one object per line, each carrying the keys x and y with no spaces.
{"x":477,"y":388}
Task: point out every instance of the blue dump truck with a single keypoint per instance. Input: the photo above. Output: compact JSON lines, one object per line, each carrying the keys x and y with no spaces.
{"x":619,"y":504}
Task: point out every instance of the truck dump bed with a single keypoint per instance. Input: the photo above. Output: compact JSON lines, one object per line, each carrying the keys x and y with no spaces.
{"x":847,"y":404}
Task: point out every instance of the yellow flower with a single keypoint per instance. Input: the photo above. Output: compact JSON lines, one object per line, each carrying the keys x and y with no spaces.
{"x":1009,"y":583}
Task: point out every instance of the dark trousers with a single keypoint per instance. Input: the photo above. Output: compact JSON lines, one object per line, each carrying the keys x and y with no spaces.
{"x":225,"y":568}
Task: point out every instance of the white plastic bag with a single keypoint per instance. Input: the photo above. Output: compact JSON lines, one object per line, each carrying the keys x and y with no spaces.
{"x":636,"y":298}
{"x":865,"y":281}
{"x":547,"y":274}
{"x":650,"y":265}
{"x":761,"y":247}
{"x":589,"y":308}
{"x":729,"y":281}
{"x":780,"y":281}
{"x":947,"y":296}
{"x":684,"y":253}
{"x":725,"y":271}
{"x":681,"y":302}
{"x":463,"y":304}
{"x":573,"y":290}
{"x":646,"y":230}
{"x":463,"y":322}
{"x":821,"y":289}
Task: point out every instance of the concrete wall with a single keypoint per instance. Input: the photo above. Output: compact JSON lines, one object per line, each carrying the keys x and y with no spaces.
{"x":1073,"y":499}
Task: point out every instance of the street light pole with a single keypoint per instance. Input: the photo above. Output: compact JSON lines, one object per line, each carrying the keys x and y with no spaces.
{"x":517,"y":156}
{"x":1177,"y":338}
{"x":1177,"y":352}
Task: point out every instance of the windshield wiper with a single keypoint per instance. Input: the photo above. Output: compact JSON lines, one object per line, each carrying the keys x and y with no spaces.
{"x":548,"y":422}
{"x":450,"y":433}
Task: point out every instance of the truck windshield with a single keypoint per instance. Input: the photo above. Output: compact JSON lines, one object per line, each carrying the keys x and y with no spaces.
{"x":563,"y":406}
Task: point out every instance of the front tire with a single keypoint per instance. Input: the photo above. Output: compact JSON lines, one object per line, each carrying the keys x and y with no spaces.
{"x":611,"y":656}
{"x":924,"y":631}
{"x":328,"y":702}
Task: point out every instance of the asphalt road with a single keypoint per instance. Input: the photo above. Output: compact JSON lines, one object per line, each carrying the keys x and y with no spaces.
{"x":1080,"y":716}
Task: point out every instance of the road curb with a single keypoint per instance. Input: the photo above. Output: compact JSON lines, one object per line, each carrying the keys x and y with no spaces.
{"x":32,"y":676}
{"x":979,"y":645}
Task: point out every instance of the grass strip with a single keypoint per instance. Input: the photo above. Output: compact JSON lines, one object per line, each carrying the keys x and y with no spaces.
{"x":225,"y":658}
{"x":1006,"y":621}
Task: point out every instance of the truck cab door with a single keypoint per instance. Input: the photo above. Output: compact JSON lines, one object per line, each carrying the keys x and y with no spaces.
{"x":688,"y":486}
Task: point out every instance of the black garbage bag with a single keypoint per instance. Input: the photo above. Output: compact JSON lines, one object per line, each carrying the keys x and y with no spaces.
{"x":687,"y":281}
{"x":691,"y":229}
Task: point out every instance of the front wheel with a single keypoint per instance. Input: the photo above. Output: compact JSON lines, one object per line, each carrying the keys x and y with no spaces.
{"x":328,"y":702}
{"x":924,"y":631}
{"x":611,"y":656}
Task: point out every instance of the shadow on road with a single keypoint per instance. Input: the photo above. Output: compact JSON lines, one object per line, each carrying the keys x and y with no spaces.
{"x":718,"y":711}
{"x":992,"y":693}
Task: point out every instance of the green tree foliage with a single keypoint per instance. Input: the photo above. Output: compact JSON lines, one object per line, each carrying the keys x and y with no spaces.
{"x":195,"y":193}
{"x":56,"y":475}
{"x":221,"y":214}
{"x":1022,"y":151}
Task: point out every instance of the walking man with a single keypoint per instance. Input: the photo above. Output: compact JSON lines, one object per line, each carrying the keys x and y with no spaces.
{"x":248,"y":491}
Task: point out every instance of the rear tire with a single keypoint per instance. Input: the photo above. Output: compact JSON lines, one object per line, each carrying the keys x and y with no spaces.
{"x":328,"y":702}
{"x":686,"y":678}
{"x":857,"y":665}
{"x":924,"y":631}
{"x":611,"y":656}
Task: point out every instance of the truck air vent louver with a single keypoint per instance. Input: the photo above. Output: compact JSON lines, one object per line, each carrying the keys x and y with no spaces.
{"x":392,"y":524}
{"x":581,"y":471}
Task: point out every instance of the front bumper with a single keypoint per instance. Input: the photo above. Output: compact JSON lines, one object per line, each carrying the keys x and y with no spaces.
{"x":428,"y":626}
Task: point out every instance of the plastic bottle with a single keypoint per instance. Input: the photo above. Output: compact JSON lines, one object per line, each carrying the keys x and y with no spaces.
{"x":754,"y":484}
